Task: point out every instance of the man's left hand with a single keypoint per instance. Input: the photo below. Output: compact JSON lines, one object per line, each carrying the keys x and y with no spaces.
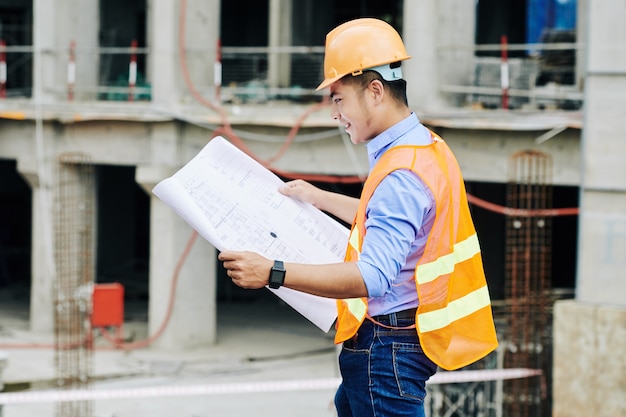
{"x":247,"y":270}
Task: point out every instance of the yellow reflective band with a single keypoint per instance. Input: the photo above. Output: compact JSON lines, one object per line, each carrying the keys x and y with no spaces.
{"x":445,"y":264}
{"x":357,"y":307}
{"x":457,"y":309}
{"x":354,"y":240}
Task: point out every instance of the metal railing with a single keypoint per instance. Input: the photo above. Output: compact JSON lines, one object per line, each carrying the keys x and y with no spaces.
{"x":15,"y":70}
{"x":258,"y":74}
{"x":114,"y":73}
{"x":516,"y":76}
{"x":502,"y":75}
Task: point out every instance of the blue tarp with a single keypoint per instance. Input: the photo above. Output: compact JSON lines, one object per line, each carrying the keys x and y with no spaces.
{"x":544,"y":15}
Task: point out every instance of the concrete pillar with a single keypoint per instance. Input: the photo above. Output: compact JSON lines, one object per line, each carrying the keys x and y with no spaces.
{"x":163,"y":68}
{"x":43,"y":269}
{"x":279,"y":65}
{"x":193,"y":318}
{"x":439,"y":35}
{"x":78,"y":21}
{"x":603,"y":223}
{"x":581,"y":39}
{"x":55,"y":24}
{"x":83,"y":28}
{"x":201,"y":32}
{"x":46,"y":72}
{"x":589,"y":369}
{"x":591,"y":330}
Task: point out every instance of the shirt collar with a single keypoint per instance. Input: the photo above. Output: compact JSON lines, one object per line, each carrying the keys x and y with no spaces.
{"x":378,"y":145}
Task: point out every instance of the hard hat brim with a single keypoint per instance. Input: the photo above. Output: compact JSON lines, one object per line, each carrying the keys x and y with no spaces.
{"x":327,"y":82}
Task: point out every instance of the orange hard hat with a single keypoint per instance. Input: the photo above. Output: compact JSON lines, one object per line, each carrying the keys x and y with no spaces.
{"x":359,"y":45}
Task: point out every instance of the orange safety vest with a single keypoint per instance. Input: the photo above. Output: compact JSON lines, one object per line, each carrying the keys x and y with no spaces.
{"x":454,"y":320}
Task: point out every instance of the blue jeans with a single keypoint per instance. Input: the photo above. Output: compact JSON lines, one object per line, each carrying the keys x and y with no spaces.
{"x":384,"y":372}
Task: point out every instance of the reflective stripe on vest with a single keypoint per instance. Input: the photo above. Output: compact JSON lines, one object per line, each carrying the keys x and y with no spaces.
{"x":445,"y":264}
{"x":357,"y":307}
{"x":351,"y":312}
{"x":457,"y":309}
{"x":355,"y":241}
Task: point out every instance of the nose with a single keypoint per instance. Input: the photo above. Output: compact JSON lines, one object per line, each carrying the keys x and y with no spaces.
{"x":334,"y":113}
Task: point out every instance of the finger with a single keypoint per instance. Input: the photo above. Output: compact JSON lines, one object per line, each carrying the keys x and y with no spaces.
{"x":285,"y":189}
{"x":227,"y":256}
{"x":288,"y":186}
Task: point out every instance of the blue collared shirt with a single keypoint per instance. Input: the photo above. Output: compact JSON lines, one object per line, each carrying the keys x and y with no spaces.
{"x":399,"y":217}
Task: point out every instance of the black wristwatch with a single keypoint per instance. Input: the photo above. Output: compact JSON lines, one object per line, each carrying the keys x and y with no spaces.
{"x":277,"y":275}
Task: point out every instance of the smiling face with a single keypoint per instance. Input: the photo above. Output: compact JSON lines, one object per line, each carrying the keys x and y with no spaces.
{"x":353,"y":107}
{"x":366,"y":105}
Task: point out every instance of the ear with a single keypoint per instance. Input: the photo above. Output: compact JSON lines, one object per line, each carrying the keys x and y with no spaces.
{"x":376,"y":91}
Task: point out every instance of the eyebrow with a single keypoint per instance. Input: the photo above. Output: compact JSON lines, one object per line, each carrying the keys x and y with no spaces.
{"x":334,"y":93}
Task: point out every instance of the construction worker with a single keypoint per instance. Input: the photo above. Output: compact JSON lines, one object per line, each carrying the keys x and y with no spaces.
{"x":411,"y":292}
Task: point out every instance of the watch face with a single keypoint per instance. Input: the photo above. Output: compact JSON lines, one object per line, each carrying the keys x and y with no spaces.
{"x":277,"y":278}
{"x":277,"y":274}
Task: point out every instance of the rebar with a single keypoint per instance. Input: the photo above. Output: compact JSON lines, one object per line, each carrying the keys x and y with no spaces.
{"x":74,"y":225}
{"x":527,"y":283}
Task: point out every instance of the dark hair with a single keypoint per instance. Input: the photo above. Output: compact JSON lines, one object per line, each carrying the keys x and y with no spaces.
{"x":397,"y":88}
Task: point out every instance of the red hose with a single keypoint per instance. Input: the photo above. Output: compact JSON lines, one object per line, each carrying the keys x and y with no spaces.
{"x":116,"y":343}
{"x":515,"y":212}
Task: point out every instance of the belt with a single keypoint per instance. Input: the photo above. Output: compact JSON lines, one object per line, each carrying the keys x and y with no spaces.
{"x":400,"y":315}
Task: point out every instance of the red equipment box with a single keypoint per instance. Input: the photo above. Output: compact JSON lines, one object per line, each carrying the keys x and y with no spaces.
{"x":107,"y":305}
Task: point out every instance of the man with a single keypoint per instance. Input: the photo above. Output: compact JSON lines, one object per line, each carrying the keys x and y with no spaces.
{"x":412,"y":292}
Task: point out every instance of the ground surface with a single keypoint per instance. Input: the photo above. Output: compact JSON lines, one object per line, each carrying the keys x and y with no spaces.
{"x":253,"y":350}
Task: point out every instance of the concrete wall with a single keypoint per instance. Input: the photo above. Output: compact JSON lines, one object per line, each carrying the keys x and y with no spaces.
{"x":603,"y":227}
{"x":589,"y":375}
{"x":55,"y":26}
{"x":590,"y":332}
{"x":484,"y":154}
{"x":175,"y":77}
{"x":439,"y":36}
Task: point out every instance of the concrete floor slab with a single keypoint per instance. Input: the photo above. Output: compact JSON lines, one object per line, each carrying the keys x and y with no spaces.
{"x":277,"y":345}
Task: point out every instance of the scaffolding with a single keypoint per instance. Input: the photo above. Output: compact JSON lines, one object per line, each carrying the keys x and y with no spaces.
{"x":479,"y":398}
{"x":74,"y":224}
{"x":527,"y":285}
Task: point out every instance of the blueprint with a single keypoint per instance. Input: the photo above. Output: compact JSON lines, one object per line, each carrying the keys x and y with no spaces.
{"x":233,"y":202}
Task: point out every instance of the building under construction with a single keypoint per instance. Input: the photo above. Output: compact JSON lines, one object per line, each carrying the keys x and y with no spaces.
{"x":101,"y":100}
